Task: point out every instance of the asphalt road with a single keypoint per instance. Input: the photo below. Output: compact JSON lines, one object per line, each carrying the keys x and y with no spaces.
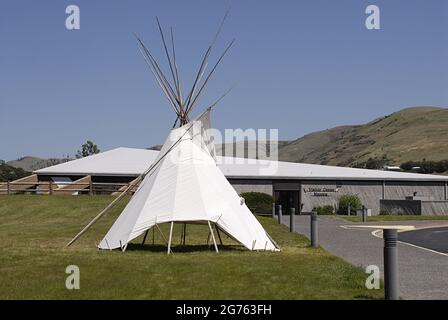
{"x":433,"y":238}
{"x":423,"y":274}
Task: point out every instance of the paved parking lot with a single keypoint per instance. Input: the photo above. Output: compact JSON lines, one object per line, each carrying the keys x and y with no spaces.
{"x":432,"y":238}
{"x":423,"y":273}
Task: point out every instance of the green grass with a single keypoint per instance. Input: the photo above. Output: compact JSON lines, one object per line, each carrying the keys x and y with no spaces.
{"x":35,"y":229}
{"x":394,"y":218}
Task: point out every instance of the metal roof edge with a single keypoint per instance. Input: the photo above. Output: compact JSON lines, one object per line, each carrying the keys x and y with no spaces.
{"x":437,"y":179}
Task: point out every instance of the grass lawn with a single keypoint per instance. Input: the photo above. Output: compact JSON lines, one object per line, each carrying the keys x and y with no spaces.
{"x":33,"y":259}
{"x":393,"y":218}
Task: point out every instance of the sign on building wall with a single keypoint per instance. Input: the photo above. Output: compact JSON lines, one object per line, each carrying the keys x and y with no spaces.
{"x":320,"y":192}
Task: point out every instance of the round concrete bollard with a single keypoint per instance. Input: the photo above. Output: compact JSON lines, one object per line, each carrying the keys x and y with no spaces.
{"x":292,"y":216}
{"x":364,"y":214}
{"x":313,"y":231}
{"x":391,"y":290}
{"x":279,"y":213}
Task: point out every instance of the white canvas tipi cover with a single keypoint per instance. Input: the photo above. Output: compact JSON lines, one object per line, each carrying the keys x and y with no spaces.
{"x":186,"y":185}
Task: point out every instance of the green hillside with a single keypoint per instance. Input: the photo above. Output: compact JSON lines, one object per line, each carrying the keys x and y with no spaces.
{"x":34,"y":163}
{"x":409,"y":134}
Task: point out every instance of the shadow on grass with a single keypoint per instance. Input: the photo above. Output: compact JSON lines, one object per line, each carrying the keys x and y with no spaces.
{"x":183,"y":248}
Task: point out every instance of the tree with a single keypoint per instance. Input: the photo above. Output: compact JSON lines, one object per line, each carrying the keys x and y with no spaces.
{"x":87,"y":149}
{"x":9,"y":173}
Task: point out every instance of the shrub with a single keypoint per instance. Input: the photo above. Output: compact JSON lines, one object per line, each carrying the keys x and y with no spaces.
{"x":258,"y":202}
{"x":426,"y":166}
{"x":324,"y":210}
{"x":345,"y":200}
{"x":9,"y":173}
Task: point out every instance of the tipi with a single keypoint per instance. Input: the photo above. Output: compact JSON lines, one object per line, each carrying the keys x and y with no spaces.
{"x":187,"y":186}
{"x":184,"y":184}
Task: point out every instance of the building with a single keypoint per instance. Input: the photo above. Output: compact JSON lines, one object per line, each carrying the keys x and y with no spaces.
{"x":303,"y":186}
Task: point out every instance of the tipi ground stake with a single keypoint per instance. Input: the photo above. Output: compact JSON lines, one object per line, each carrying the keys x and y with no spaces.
{"x":213,"y":237}
{"x":171,"y":237}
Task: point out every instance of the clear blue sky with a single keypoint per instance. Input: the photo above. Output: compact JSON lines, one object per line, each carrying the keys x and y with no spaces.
{"x":299,"y":66}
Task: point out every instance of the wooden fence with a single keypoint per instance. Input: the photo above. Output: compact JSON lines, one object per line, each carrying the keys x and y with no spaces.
{"x":63,"y":188}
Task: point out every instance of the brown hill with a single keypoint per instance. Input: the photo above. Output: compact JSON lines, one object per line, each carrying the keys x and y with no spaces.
{"x":409,"y":134}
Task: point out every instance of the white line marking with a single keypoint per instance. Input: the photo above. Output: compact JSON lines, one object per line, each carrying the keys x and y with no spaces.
{"x":377,"y":232}
{"x":430,"y":250}
{"x":398,"y":227}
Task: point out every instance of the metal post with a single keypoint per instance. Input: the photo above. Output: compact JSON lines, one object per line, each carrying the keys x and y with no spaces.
{"x":8,"y":187}
{"x":364,"y":214}
{"x":50,"y":188}
{"x":348,"y":210}
{"x":292,"y":217}
{"x":313,"y":235}
{"x":279,"y":213}
{"x":273,"y":210}
{"x":391,"y":289}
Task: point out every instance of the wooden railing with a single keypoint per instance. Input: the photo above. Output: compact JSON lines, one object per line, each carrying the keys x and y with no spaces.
{"x":63,"y":188}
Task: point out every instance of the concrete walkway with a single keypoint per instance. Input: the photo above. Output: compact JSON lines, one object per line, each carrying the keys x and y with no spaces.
{"x":423,"y":274}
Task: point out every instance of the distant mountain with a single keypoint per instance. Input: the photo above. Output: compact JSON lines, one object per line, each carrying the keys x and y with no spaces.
{"x":409,"y":134}
{"x":33,"y":163}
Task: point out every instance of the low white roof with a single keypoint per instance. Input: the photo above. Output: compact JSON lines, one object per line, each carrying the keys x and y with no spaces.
{"x":117,"y":162}
{"x":133,"y":162}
